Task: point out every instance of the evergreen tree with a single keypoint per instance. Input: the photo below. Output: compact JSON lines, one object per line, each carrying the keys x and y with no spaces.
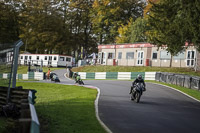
{"x":164,"y":26}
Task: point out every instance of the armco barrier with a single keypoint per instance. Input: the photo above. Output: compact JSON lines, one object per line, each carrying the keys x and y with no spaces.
{"x":191,"y":82}
{"x":180,"y":79}
{"x":187,"y":83}
{"x":171,"y":78}
{"x":150,"y":75}
{"x":157,"y":77}
{"x":134,"y":74}
{"x":29,"y":75}
{"x":124,"y":75}
{"x":100,"y":75}
{"x":117,"y":75}
{"x":195,"y":81}
{"x":111,"y":75}
{"x":90,"y":75}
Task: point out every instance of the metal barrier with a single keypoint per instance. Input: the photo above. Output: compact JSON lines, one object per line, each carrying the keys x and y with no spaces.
{"x":191,"y":82}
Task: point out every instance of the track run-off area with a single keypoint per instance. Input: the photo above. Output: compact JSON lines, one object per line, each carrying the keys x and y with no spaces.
{"x":161,"y":109}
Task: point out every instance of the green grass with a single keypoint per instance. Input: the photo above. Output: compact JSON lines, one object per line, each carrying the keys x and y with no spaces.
{"x":24,"y":69}
{"x":2,"y":124}
{"x":63,"y":108}
{"x":191,"y":92}
{"x":188,"y":71}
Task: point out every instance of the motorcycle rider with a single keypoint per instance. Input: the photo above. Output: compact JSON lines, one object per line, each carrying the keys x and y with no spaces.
{"x":139,"y":79}
{"x":75,"y":77}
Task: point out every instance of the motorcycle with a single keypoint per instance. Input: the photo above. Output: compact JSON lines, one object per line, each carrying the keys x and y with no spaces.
{"x":137,"y":92}
{"x":79,"y":80}
{"x":54,"y":77}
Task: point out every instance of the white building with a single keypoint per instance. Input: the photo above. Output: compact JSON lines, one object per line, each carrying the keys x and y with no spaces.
{"x":54,"y":60}
{"x":146,"y":54}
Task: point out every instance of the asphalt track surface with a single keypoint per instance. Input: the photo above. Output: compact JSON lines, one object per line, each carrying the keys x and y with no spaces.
{"x":161,"y":109}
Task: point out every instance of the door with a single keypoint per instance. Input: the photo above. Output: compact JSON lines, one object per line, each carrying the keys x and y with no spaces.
{"x":190,"y":58}
{"x":140,"y":58}
{"x":104,"y":58}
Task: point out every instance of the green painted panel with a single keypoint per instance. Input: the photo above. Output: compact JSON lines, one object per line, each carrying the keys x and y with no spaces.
{"x":31,"y":75}
{"x":1,"y":75}
{"x":90,"y":75}
{"x":8,"y":76}
{"x":19,"y":76}
{"x":134,"y":74}
{"x":111,"y":75}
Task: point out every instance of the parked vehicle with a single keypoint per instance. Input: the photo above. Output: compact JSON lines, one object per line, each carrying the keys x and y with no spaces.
{"x":137,"y":92}
{"x":51,"y":60}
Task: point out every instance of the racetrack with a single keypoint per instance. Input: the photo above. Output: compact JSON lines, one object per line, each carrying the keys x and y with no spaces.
{"x":161,"y":109}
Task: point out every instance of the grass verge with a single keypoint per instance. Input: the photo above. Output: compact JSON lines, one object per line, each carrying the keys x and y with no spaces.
{"x":188,"y":71}
{"x":191,"y":92}
{"x":63,"y":108}
{"x":24,"y":69}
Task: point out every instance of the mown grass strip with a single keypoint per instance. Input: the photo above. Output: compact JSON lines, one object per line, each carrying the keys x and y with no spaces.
{"x":191,"y":92}
{"x":24,"y":69}
{"x":188,"y":71}
{"x":63,"y":108}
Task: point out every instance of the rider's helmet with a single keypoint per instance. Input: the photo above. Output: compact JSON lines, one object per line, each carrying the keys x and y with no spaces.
{"x":139,"y":77}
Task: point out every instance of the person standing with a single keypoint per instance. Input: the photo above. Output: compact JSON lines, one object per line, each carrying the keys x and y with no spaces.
{"x":48,"y":73}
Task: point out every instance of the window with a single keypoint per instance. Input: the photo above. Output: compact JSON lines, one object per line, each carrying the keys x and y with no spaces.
{"x":110,"y":55}
{"x":68,"y":59}
{"x":179,"y":56}
{"x":50,"y":57}
{"x":45,"y":58}
{"x":21,"y":57}
{"x":26,"y":57}
{"x":165,"y":55}
{"x":120,"y":55}
{"x":190,"y":58}
{"x":140,"y":58}
{"x":30,"y":57}
{"x":154,"y":56}
{"x":38,"y":57}
{"x":62,"y":58}
{"x":55,"y":58}
{"x":130,"y":55}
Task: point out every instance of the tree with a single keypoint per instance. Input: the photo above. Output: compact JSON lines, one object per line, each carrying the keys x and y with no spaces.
{"x":124,"y":33}
{"x":189,"y":22}
{"x":138,"y":30}
{"x":9,"y":30}
{"x":164,"y":26}
{"x":109,"y":15}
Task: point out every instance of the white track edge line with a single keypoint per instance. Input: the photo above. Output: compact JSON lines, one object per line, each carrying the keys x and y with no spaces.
{"x":178,"y":91}
{"x":97,"y":109}
{"x":96,"y":105}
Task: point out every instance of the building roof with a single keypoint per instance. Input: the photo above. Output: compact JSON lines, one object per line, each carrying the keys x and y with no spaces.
{"x":45,"y":54}
{"x":134,"y":45}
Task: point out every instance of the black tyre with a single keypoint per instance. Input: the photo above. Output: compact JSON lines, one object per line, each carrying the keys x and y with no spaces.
{"x":137,"y":97}
{"x":132,"y":95}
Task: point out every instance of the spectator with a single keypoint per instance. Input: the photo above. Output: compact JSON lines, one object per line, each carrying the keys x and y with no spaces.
{"x":48,"y":73}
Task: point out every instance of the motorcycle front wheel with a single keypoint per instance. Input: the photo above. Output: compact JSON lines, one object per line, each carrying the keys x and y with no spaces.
{"x":133,"y":95}
{"x":137,"y":97}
